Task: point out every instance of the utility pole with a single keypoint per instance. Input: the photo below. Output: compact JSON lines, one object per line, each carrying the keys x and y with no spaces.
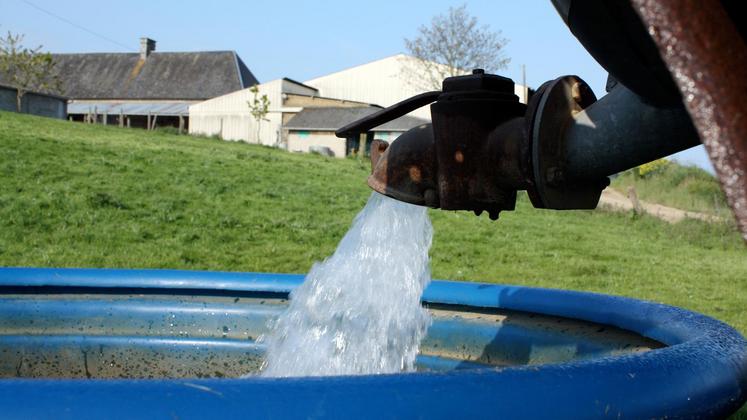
{"x":524,"y":88}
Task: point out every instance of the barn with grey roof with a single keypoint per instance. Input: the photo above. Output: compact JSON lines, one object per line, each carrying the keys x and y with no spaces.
{"x":147,"y":89}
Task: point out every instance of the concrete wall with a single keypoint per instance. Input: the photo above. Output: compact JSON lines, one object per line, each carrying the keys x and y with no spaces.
{"x":301,"y":141}
{"x":229,"y":116}
{"x":33,"y":103}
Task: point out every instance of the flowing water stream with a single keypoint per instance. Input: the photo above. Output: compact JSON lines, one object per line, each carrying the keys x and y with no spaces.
{"x":359,"y":312}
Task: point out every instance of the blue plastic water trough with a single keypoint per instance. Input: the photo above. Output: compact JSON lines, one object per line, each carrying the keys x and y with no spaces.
{"x":82,"y":343}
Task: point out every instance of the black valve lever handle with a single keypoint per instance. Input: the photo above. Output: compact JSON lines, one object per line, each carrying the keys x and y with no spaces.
{"x":387,"y":114}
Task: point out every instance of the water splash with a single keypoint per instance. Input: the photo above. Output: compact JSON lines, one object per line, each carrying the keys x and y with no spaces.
{"x":359,"y":312}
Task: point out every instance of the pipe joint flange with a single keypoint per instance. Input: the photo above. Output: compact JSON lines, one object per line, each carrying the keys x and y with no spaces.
{"x":549,"y":114}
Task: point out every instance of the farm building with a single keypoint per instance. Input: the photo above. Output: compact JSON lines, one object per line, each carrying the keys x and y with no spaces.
{"x":148,"y":89}
{"x":34,"y":103}
{"x":313,"y":129}
{"x":385,"y":82}
{"x":229,"y":116}
{"x":304,"y":116}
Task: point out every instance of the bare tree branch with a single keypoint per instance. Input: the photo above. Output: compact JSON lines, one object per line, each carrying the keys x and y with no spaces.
{"x":452,"y":45}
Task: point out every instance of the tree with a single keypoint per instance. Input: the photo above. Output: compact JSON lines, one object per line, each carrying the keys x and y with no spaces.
{"x":258,"y":107}
{"x":26,"y":69}
{"x":453,"y":45}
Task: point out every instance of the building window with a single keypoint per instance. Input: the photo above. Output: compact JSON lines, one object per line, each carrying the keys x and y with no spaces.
{"x":303,"y":134}
{"x":382,"y":135}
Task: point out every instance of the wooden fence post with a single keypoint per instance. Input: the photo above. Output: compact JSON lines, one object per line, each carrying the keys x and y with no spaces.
{"x":633,"y":196}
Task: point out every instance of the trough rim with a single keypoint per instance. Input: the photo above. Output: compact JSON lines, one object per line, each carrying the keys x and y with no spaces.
{"x":701,"y":372}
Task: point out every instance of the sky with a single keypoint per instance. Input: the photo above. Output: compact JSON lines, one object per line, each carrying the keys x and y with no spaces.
{"x":304,"y":39}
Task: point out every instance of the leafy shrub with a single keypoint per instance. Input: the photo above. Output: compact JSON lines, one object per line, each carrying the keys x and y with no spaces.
{"x":649,"y":169}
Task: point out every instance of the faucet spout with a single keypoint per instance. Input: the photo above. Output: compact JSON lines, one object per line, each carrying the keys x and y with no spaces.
{"x":405,"y":169}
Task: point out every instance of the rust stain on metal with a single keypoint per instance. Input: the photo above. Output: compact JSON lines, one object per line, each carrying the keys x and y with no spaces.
{"x":393,"y":173}
{"x":377,"y":149}
{"x":707,"y":57}
{"x":415,"y":175}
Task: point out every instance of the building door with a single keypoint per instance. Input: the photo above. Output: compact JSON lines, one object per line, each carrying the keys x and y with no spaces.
{"x":353,"y":144}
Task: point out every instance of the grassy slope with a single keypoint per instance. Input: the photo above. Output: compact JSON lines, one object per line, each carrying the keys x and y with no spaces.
{"x":74,"y":195}
{"x":683,"y":187}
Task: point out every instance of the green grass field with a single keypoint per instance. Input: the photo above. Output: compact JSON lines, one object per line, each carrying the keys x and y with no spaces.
{"x":75,"y":195}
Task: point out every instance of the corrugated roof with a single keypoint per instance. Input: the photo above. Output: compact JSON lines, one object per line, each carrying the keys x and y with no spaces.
{"x":331,"y":118}
{"x":131,"y":108}
{"x":163,"y":75}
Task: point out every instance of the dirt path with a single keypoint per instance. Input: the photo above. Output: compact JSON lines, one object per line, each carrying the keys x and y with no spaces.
{"x":616,"y":200}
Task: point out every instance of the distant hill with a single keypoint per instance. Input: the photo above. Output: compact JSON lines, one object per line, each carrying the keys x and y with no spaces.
{"x":675,"y":185}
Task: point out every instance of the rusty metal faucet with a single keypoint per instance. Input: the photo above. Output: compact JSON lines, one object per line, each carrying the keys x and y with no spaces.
{"x":451,"y":163}
{"x":484,"y":145}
